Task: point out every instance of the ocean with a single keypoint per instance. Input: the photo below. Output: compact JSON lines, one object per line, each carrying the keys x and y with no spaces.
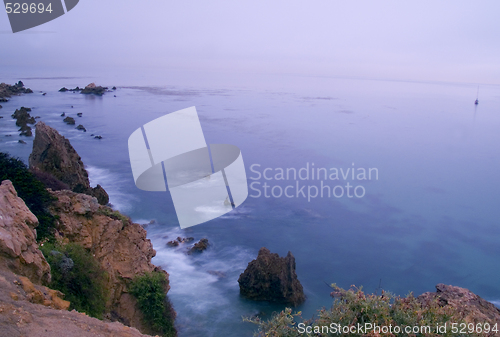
{"x":426,"y":214}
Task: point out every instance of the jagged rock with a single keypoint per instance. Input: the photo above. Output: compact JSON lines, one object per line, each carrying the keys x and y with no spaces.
{"x":81,"y":127}
{"x":25,"y":131}
{"x":23,"y":118}
{"x":100,"y":194}
{"x":69,"y":120}
{"x":11,"y":90}
{"x":3,"y":100}
{"x":173,"y":243}
{"x":53,"y":153}
{"x":18,"y":248}
{"x":471,"y":307}
{"x":21,"y":141}
{"x":63,"y":114}
{"x":199,"y":246}
{"x":271,"y":278}
{"x":118,"y":244}
{"x":63,"y":89}
{"x":79,"y":114}
{"x":98,"y":137}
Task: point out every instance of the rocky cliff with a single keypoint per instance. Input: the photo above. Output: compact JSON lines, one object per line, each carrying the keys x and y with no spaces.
{"x":28,"y":308}
{"x":470,"y":307}
{"x":53,"y":153}
{"x":18,"y":248}
{"x":118,"y":244}
{"x":271,"y":278}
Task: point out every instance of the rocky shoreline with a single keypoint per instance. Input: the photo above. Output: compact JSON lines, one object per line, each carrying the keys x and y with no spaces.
{"x":83,"y":217}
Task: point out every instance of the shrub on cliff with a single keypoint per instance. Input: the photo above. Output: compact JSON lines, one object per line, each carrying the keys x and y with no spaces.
{"x":149,"y":289}
{"x":352,"y":307}
{"x":31,"y":190}
{"x":77,"y":274}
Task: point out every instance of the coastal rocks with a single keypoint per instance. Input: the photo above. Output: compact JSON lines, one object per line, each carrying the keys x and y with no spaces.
{"x":81,"y":127}
{"x":471,"y":307}
{"x":11,"y":90}
{"x":18,"y":248}
{"x":53,"y":153}
{"x":69,"y":120}
{"x":23,"y":118}
{"x":199,"y":246}
{"x":119,"y":245}
{"x":271,"y":278}
{"x":89,"y":89}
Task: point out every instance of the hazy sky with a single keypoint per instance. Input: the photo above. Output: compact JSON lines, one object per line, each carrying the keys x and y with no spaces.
{"x":414,"y":40}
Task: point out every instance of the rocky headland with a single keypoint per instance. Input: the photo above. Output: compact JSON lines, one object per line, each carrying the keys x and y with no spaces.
{"x":28,"y":308}
{"x":53,"y":154}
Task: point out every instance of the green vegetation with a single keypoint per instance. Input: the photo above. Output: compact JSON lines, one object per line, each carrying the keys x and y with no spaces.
{"x":77,"y":274}
{"x":114,"y":215}
{"x":32,"y":191}
{"x":149,"y":289}
{"x":352,"y":307}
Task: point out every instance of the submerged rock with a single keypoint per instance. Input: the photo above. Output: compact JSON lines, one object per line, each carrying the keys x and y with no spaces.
{"x":199,"y":246}
{"x":69,"y":120}
{"x":53,"y":153}
{"x":81,"y":127}
{"x":272,"y":278}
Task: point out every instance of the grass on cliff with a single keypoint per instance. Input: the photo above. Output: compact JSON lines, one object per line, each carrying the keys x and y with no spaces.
{"x":352,"y":307}
{"x":149,"y":289}
{"x":32,"y":191}
{"x":77,"y":274}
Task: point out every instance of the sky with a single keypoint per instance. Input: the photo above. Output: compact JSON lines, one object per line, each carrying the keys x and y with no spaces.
{"x":447,"y":40}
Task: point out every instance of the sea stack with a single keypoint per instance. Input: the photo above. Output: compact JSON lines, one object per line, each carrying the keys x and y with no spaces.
{"x":53,"y":153}
{"x":272,"y":278}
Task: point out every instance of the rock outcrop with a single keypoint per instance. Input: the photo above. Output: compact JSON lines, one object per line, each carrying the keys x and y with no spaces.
{"x":89,"y":89}
{"x":23,"y":118}
{"x":53,"y":153}
{"x":472,"y":308}
{"x":118,"y":244}
{"x":11,"y":90}
{"x":29,"y":310}
{"x":18,"y":248}
{"x":271,"y":278}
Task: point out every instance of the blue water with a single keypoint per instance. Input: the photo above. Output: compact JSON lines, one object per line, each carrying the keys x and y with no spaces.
{"x":430,"y":217}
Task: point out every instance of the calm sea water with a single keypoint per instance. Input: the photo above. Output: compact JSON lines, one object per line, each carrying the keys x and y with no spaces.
{"x":430,"y":217}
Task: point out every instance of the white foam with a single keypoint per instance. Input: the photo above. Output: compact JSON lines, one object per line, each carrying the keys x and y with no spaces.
{"x":112,"y":183}
{"x":193,"y":285}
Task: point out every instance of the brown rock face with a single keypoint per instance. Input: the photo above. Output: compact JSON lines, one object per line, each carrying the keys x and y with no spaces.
{"x":53,"y":153}
{"x":471,"y":307}
{"x":118,"y":244}
{"x":272,"y":278}
{"x":18,"y":248}
{"x":28,"y":310}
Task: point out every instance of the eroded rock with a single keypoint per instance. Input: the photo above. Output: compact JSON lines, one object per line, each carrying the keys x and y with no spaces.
{"x":271,"y":278}
{"x":53,"y":153}
{"x":18,"y":248}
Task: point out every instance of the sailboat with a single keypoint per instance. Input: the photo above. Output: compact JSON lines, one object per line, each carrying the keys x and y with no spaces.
{"x":477,"y":96}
